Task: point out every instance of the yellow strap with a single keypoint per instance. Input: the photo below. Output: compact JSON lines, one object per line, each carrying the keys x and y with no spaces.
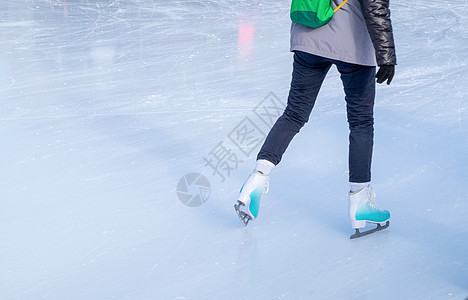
{"x":339,"y":6}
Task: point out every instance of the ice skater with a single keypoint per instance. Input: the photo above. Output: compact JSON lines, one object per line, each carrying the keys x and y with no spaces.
{"x":358,"y":38}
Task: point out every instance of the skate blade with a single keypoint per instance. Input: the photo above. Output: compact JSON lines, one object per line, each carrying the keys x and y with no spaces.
{"x":245,"y":218}
{"x":379,"y":227}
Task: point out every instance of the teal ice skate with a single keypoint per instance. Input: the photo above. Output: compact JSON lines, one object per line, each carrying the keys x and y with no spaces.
{"x":248,"y":201}
{"x":362,"y":210}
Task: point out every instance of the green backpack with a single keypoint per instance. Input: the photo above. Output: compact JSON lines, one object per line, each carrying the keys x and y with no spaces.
{"x":313,"y":13}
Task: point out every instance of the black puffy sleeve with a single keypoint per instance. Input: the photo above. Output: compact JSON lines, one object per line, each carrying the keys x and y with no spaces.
{"x":377,"y":16}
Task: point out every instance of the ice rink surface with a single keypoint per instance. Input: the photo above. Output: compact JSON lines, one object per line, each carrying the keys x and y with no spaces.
{"x":108,"y":108}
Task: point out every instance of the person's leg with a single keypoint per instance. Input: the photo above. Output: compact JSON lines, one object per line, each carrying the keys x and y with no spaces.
{"x":359,"y":87}
{"x":309,"y":71}
{"x":308,"y":74}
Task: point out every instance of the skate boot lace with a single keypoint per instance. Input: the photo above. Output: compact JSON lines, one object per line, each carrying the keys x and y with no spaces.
{"x":267,"y":186}
{"x":371,"y":197}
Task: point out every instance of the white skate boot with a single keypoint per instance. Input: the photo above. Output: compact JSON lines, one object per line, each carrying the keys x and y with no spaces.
{"x":248,"y":201}
{"x":362,"y":210}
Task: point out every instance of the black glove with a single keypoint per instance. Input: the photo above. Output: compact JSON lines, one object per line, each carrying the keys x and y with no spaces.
{"x":385,"y":73}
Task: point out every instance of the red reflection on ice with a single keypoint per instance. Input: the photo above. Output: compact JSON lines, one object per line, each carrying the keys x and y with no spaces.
{"x":246,"y":35}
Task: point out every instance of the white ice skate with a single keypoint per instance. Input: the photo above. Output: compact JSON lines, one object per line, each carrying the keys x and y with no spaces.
{"x":248,"y":201}
{"x":362,"y":210}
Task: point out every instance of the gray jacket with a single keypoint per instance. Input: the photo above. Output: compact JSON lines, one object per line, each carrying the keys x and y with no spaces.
{"x":359,"y":33}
